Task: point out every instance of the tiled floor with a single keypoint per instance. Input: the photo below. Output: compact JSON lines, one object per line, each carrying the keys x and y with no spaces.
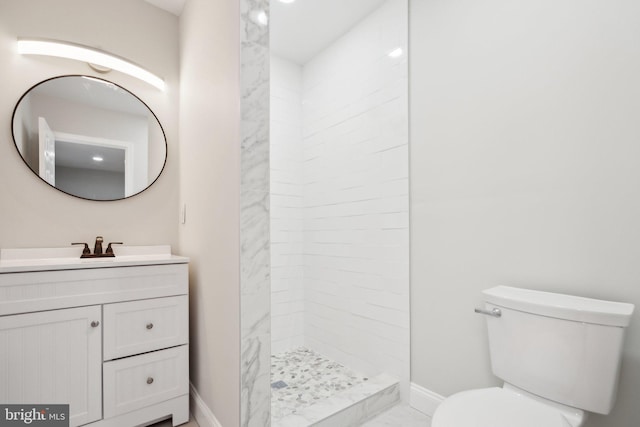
{"x":400,"y":416}
{"x":301,"y":377}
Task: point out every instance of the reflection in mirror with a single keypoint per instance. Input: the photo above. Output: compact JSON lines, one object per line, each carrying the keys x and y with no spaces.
{"x":89,"y":138}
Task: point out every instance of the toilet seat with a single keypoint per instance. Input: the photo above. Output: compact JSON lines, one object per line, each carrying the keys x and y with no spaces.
{"x":502,"y":407}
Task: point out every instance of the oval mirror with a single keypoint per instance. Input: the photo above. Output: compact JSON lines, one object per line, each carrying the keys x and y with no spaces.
{"x":89,"y":137}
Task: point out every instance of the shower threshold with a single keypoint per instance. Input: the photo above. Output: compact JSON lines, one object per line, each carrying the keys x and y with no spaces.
{"x":310,"y":389}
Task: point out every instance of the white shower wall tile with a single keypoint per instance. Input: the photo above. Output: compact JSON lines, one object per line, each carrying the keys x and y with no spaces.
{"x":288,"y":307}
{"x":287,"y":328}
{"x":287,"y":298}
{"x":286,"y":344}
{"x":356,"y":227}
{"x":339,"y":173}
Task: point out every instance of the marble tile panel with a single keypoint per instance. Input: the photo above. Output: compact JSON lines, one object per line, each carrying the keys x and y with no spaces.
{"x":254,"y":214}
{"x":364,"y":402}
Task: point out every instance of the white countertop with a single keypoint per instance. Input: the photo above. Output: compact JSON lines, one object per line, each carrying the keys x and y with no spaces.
{"x":48,"y":259}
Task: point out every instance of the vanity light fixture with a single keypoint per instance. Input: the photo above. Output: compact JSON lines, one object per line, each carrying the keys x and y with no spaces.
{"x":89,"y":55}
{"x":97,"y":159}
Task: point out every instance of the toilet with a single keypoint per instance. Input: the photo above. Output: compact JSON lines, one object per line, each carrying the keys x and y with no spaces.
{"x":558,"y":355}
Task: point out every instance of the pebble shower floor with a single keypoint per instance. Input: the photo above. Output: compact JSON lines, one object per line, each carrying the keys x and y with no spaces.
{"x":301,"y":377}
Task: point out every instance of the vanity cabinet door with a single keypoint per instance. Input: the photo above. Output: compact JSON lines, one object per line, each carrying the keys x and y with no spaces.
{"x":53,"y":357}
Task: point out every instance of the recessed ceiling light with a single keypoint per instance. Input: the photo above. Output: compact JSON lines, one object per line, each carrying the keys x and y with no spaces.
{"x":97,"y":159}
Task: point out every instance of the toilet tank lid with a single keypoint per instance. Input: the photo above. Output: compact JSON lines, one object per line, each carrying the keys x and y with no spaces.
{"x":561,"y":306}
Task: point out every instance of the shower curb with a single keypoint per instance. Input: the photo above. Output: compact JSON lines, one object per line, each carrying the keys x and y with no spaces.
{"x":349,"y":408}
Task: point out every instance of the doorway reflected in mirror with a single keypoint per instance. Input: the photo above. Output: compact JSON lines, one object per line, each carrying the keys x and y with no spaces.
{"x":89,"y":137}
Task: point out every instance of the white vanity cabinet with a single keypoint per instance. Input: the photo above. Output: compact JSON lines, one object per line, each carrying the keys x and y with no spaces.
{"x":107,"y":337}
{"x":134,"y":374}
{"x":53,"y":357}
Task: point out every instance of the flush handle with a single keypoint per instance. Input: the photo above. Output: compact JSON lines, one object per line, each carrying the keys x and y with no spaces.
{"x":496,"y":312}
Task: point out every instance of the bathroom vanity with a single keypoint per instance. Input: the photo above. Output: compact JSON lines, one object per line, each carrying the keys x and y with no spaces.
{"x":108,"y":336}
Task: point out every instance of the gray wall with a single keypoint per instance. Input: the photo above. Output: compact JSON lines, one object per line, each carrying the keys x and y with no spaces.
{"x":34,"y":214}
{"x":90,"y":183}
{"x":525,"y":171}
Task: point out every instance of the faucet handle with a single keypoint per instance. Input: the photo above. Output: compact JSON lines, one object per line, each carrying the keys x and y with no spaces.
{"x":86,"y":250}
{"x":110,"y":249}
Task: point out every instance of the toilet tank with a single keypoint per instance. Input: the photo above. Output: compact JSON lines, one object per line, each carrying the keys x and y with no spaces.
{"x":563,"y":348}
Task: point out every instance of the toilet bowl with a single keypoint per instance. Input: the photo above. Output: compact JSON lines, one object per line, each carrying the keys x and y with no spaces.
{"x":504,"y":407}
{"x":558,"y":355}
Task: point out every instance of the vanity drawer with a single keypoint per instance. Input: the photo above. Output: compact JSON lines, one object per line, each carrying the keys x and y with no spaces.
{"x":139,"y":381}
{"x":140,"y":326}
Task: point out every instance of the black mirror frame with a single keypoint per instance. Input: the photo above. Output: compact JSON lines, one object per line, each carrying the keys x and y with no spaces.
{"x":164,"y":135}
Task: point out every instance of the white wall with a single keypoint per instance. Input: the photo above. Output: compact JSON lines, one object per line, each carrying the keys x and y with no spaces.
{"x":287,"y":286}
{"x":35,"y":215}
{"x":210,"y":188}
{"x":525,"y":166}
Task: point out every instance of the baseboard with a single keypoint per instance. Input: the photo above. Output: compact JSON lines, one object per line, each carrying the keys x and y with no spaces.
{"x":200,"y":411}
{"x":423,"y":400}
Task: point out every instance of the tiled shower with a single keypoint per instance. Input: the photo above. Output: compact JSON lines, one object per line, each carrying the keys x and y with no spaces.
{"x":340,"y":216}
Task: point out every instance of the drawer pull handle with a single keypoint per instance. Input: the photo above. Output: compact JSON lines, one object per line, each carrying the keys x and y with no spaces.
{"x":150,"y":380}
{"x":95,"y":324}
{"x":149,"y":325}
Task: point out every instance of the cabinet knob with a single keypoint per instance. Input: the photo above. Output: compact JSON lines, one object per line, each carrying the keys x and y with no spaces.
{"x":149,"y":325}
{"x":95,"y":324}
{"x":150,"y":380}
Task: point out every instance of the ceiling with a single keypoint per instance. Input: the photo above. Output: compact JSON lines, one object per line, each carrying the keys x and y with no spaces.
{"x":173,"y":6}
{"x":80,"y":156}
{"x":302,"y":29}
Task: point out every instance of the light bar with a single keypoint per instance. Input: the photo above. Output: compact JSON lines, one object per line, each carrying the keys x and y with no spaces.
{"x":89,"y":55}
